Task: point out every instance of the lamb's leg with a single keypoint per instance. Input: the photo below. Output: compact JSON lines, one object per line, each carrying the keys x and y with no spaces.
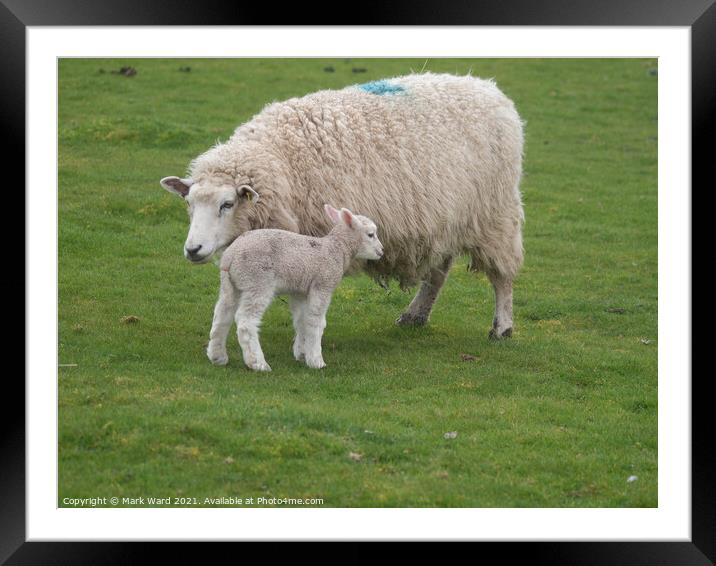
{"x":248,"y":318}
{"x":502,"y":323}
{"x":418,"y":312}
{"x":314,"y":322}
{"x":297,"y":305}
{"x":224,"y":313}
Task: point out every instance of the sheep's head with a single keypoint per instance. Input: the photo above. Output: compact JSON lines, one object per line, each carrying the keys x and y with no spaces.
{"x":362,"y":227}
{"x":215,"y":214}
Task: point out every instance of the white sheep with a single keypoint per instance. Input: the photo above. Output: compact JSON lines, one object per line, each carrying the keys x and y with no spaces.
{"x":434,"y":160}
{"x":261,"y":264}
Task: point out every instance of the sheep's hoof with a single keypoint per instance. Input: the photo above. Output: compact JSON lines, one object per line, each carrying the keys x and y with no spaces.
{"x":505,"y":334}
{"x":409,"y":319}
{"x":262,"y":366}
{"x":218,"y":359}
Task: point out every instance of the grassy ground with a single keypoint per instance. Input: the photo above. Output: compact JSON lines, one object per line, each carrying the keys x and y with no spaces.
{"x":559,"y":416}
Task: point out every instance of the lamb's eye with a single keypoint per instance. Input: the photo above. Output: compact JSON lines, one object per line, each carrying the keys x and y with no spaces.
{"x":227,"y":205}
{"x":371,"y":235}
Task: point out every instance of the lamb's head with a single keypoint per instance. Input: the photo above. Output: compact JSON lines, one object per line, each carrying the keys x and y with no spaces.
{"x":362,"y":228}
{"x":216,"y":213}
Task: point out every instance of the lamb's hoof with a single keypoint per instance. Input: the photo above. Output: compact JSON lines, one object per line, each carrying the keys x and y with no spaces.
{"x":299,"y":356}
{"x":262,"y":366}
{"x":409,"y":319}
{"x":505,"y":334}
{"x":219,"y":358}
{"x":315,"y":364}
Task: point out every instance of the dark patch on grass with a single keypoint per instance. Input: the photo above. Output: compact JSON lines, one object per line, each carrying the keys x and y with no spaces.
{"x":640,"y":406}
{"x":590,"y":490}
{"x":543,"y":315}
{"x":125,"y":72}
{"x":581,"y":381}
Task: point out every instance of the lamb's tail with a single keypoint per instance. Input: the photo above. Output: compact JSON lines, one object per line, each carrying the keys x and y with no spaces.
{"x":228,"y":289}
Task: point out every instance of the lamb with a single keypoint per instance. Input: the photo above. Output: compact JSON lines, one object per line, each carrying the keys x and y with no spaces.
{"x":261,"y":264}
{"x":434,"y":159}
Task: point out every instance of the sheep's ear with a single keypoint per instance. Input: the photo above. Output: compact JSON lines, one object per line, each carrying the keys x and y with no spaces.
{"x":176,"y":185}
{"x":245,"y":191}
{"x":347,"y":217}
{"x":332,"y":213}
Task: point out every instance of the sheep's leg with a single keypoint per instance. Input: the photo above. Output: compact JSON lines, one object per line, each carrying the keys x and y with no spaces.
{"x":418,"y":312}
{"x":248,"y":318}
{"x":502,"y":323}
{"x":224,"y":313}
{"x":297,"y":305}
{"x":314,"y":322}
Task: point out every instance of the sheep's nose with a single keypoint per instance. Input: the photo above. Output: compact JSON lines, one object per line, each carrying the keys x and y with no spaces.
{"x":193,"y":251}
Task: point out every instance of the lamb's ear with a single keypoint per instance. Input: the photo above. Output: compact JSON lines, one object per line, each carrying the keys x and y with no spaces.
{"x":347,"y":217}
{"x":176,"y":185}
{"x":245,"y":191}
{"x":332,"y":213}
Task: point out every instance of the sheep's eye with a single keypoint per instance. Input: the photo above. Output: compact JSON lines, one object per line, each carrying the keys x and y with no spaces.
{"x":371,"y":235}
{"x":227,"y":205}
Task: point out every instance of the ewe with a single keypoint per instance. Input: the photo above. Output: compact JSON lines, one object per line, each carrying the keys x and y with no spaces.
{"x":261,"y":264}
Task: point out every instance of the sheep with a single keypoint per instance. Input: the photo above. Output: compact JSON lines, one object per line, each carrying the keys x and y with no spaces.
{"x":261,"y":264}
{"x":434,"y":159}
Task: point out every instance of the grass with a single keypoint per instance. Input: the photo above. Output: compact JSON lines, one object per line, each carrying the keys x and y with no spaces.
{"x":559,"y":416}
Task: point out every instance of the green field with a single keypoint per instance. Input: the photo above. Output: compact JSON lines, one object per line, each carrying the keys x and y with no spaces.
{"x":559,"y":416}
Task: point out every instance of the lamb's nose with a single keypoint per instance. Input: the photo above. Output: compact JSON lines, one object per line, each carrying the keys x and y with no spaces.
{"x":193,"y":251}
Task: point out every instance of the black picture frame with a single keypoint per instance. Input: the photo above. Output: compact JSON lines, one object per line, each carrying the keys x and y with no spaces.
{"x":699,"y":15}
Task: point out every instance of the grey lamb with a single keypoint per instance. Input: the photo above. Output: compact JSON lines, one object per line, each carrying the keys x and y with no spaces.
{"x":261,"y":264}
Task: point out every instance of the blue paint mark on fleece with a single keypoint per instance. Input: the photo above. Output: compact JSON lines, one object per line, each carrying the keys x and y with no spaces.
{"x":381,"y":87}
